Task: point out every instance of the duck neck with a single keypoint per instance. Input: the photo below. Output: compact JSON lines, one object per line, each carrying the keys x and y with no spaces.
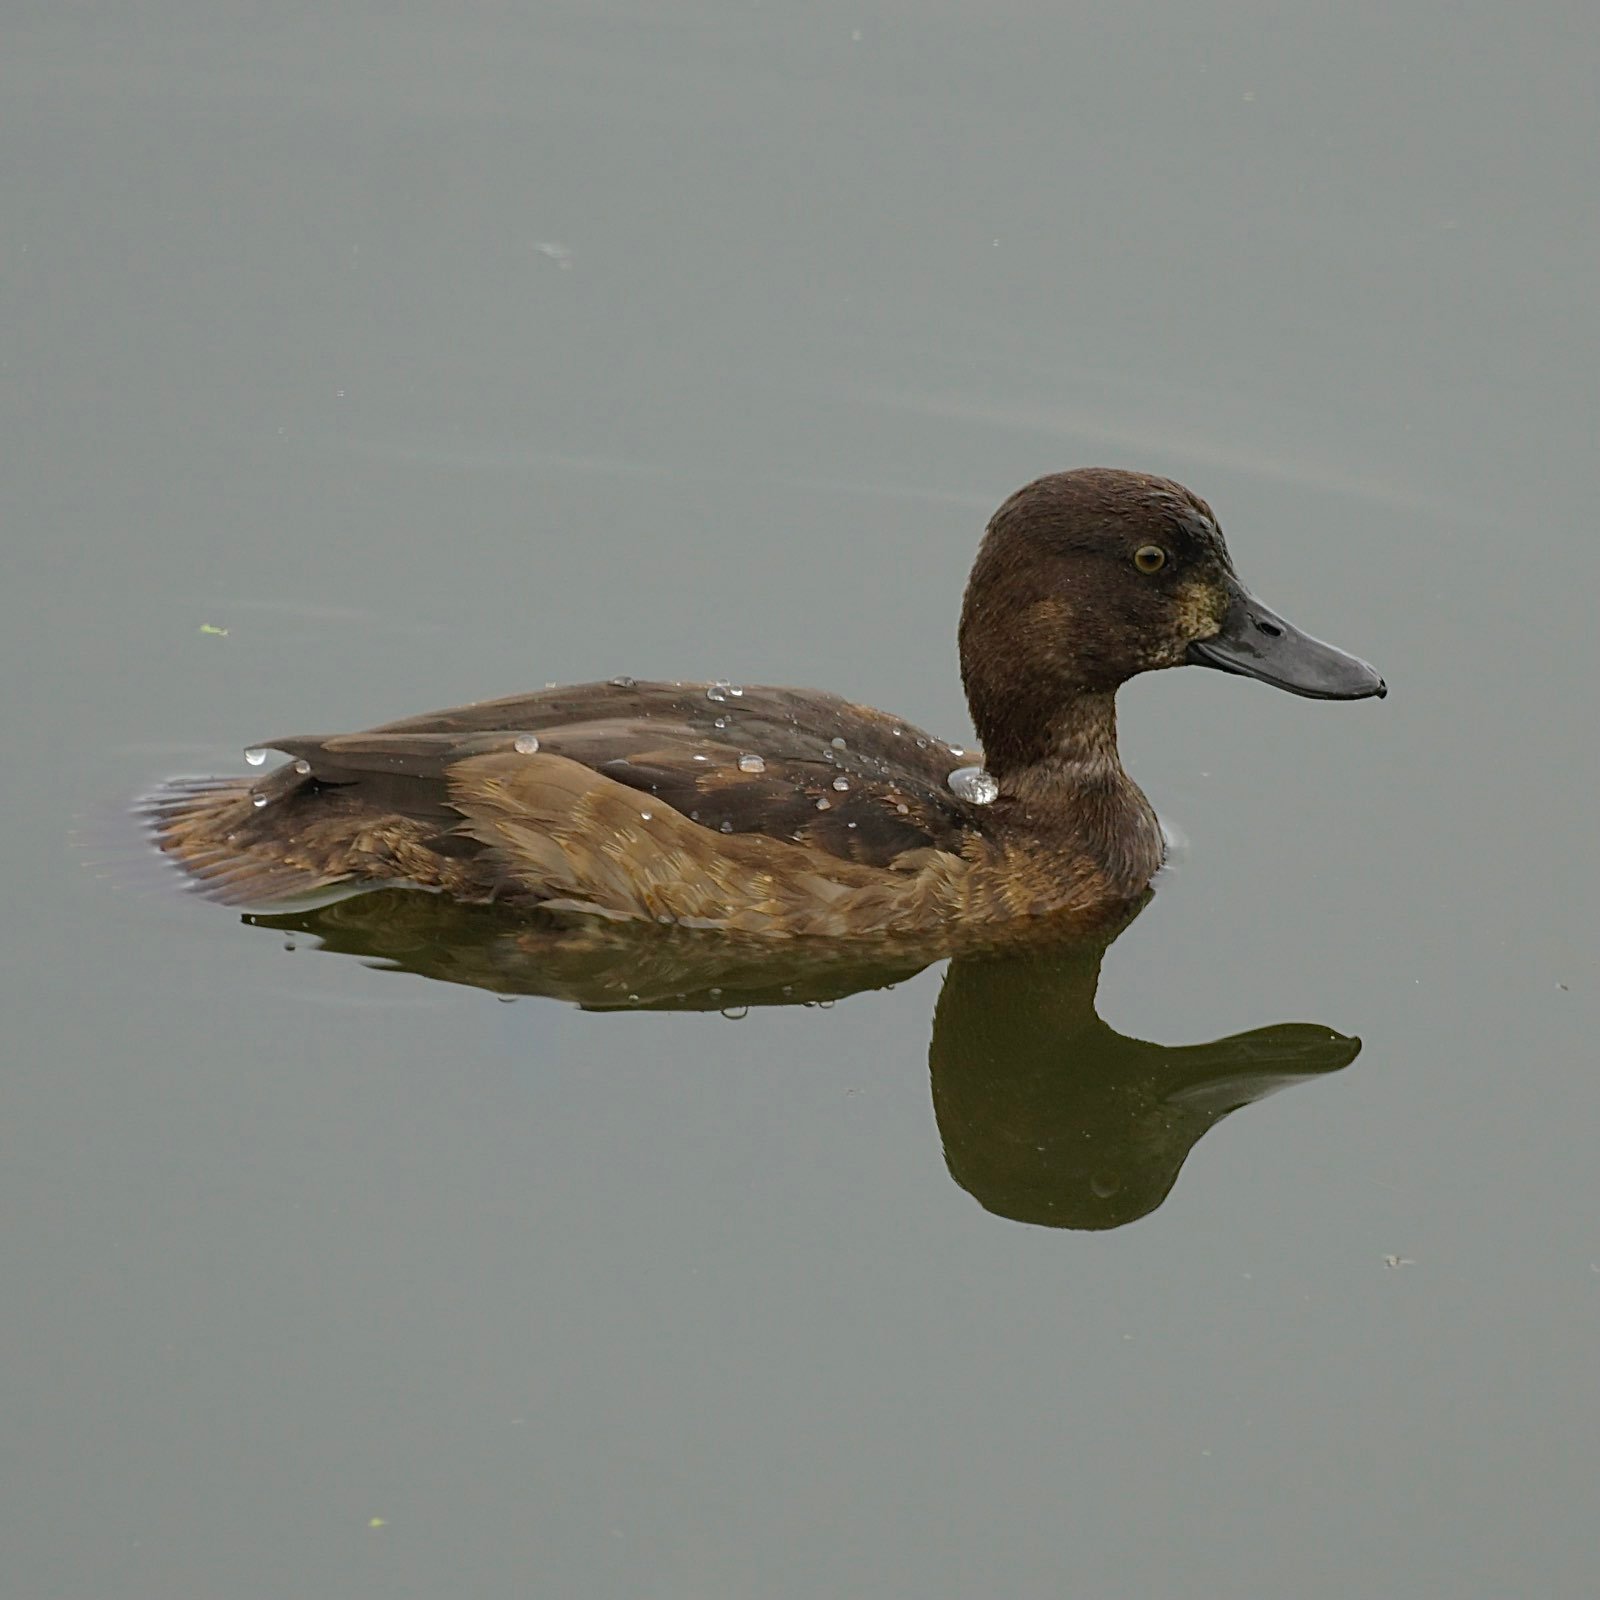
{"x":1071,"y":744}
{"x":1067,"y":775}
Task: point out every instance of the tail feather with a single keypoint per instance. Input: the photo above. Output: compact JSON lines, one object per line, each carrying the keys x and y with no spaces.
{"x":210,"y":828}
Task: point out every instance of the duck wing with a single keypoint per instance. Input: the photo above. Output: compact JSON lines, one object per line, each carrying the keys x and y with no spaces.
{"x":792,"y":765}
{"x":709,"y":805}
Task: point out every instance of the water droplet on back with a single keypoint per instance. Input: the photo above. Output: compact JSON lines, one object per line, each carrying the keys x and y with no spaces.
{"x":526,"y":744}
{"x":258,"y":800}
{"x":751,"y":763}
{"x":824,"y":803}
{"x":837,"y":742}
{"x":719,"y":690}
{"x":623,"y":682}
{"x":841,"y":783}
{"x":254,"y":757}
{"x":974,"y":785}
{"x":302,"y":767}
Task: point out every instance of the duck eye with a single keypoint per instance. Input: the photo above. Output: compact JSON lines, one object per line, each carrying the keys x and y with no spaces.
{"x":1149,"y":558}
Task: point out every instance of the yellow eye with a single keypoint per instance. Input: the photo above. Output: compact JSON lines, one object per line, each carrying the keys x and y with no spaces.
{"x":1149,"y":558}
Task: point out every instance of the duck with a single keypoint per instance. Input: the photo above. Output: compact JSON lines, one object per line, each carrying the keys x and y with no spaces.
{"x":792,"y":812}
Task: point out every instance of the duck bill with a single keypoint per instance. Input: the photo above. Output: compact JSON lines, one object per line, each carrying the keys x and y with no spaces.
{"x":1256,"y":642}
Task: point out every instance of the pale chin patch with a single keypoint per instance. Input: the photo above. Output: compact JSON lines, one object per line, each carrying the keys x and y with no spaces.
{"x":1200,"y":610}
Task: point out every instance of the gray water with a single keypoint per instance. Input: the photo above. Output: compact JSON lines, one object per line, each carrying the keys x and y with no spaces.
{"x":366,"y":360}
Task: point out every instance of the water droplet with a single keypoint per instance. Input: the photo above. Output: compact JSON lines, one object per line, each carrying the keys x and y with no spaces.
{"x":721,"y":722}
{"x":526,"y":744}
{"x":702,"y":758}
{"x":824,"y":803}
{"x":713,"y":993}
{"x":645,"y":816}
{"x":258,"y":800}
{"x":899,"y":733}
{"x":852,"y":824}
{"x":837,"y":742}
{"x":841,"y":784}
{"x":955,"y":750}
{"x":736,"y":1013}
{"x":719,"y":690}
{"x":903,"y":809}
{"x":623,"y":682}
{"x":254,"y":757}
{"x":922,"y":744}
{"x":752,"y":764}
{"x":302,"y":767}
{"x":694,"y":816}
{"x":974,"y":785}
{"x":726,"y":827}
{"x":735,"y":690}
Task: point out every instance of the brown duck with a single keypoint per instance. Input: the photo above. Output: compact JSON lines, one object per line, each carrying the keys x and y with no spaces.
{"x":792,"y":811}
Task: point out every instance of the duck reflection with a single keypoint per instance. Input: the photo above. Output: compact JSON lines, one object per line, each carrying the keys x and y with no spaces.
{"x":1051,"y":1116}
{"x":1047,"y":1114}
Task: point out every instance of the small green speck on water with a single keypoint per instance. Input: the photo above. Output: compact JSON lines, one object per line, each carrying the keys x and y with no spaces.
{"x":206,"y":627}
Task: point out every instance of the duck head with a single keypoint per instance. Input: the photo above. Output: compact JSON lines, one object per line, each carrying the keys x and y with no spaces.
{"x":1086,"y":578}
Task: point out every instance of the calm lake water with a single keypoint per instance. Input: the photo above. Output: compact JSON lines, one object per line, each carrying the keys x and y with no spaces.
{"x":366,"y":361}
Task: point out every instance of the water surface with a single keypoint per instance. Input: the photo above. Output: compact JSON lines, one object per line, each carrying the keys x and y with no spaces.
{"x":363,"y":364}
